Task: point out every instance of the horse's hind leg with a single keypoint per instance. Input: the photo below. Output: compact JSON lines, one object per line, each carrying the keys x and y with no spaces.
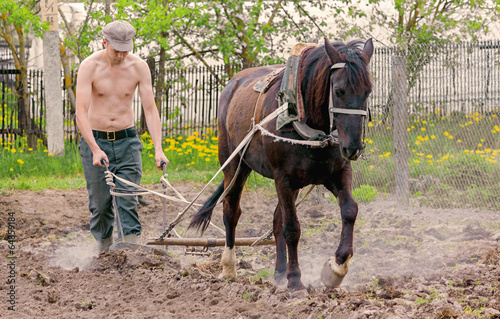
{"x":232,"y":212}
{"x":291,"y":233}
{"x":336,"y":267}
{"x":281,"y":265}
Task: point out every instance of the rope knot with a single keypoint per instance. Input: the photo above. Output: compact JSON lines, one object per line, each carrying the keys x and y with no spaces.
{"x":109,"y":178}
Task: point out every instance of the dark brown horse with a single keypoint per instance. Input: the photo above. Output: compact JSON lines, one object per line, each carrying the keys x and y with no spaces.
{"x":295,"y":166}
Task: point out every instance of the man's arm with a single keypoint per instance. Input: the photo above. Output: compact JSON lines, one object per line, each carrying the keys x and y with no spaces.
{"x":83,"y":96}
{"x":151,"y":112}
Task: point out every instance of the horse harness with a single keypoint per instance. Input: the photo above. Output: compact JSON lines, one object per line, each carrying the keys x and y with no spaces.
{"x":290,"y":111}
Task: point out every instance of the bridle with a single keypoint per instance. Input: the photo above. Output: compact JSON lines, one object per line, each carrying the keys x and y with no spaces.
{"x":332,"y":110}
{"x":338,"y":110}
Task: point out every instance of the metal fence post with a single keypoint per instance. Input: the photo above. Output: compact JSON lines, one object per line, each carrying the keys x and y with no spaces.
{"x":401,"y":167}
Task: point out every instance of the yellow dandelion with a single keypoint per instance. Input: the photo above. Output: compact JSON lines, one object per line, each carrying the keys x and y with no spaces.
{"x":429,"y":156}
{"x":417,"y":142}
{"x":450,"y":137}
{"x":20,"y":161}
{"x":11,"y":169}
{"x":50,"y":154}
{"x":446,"y":133}
{"x":371,"y":166}
{"x":479,"y":145}
{"x":459,"y":141}
{"x":424,"y":122}
{"x":13,"y":150}
{"x":422,"y":129}
{"x":207,"y":159}
{"x":45,"y":151}
{"x":417,"y":161}
{"x":370,"y":124}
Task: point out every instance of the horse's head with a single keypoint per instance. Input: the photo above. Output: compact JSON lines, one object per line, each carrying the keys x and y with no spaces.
{"x":350,"y":87}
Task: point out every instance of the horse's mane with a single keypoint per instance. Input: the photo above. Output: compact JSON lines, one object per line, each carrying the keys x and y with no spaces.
{"x":315,"y":68}
{"x":357,"y":73}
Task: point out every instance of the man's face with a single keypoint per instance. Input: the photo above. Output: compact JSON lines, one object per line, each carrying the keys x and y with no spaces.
{"x":116,"y":57}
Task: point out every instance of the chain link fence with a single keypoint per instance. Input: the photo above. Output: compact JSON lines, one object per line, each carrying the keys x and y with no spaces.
{"x":435,"y":135}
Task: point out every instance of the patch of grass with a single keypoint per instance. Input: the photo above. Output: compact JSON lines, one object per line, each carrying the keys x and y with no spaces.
{"x":262,"y":274}
{"x":364,"y":193}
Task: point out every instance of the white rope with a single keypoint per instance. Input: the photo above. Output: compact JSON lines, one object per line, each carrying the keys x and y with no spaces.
{"x":109,"y":180}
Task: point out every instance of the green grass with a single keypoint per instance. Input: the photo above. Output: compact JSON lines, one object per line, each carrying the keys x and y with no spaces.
{"x":454,"y":160}
{"x":192,"y":158}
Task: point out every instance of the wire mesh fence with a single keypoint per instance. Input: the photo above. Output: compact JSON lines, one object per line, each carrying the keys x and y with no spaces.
{"x":435,"y":137}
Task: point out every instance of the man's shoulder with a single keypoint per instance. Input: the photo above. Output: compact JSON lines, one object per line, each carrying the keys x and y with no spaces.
{"x":92,"y":60}
{"x":138,"y":64}
{"x":137,"y":61}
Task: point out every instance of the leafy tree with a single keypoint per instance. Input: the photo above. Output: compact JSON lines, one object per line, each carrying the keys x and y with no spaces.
{"x":17,"y":19}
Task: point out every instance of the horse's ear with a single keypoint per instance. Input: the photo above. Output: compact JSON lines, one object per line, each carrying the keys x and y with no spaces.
{"x":368,"y":49}
{"x":332,"y":53}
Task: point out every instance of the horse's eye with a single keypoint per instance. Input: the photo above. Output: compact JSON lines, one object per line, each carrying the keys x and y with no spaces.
{"x":338,"y":92}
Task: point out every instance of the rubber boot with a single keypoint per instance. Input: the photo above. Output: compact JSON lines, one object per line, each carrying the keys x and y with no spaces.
{"x":105,"y":243}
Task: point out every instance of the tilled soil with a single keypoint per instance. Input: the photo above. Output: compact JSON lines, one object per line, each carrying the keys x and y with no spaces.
{"x":409,"y":262}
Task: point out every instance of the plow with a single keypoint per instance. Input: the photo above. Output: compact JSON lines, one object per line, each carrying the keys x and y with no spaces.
{"x":170,"y":237}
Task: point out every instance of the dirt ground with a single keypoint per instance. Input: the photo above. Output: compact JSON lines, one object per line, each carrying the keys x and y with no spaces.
{"x":409,"y":262}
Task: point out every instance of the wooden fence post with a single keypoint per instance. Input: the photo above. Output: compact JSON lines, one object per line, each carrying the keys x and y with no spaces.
{"x":400,"y":89}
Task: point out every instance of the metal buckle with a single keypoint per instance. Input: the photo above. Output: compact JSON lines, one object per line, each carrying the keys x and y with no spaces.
{"x":110,"y":139}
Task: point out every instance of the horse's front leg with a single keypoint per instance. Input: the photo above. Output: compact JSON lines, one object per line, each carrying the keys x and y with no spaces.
{"x":291,"y":233}
{"x":336,"y":267}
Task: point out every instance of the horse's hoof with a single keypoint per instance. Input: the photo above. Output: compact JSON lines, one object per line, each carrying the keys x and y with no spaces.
{"x":227,"y":276}
{"x":299,"y":294}
{"x":333,"y":273}
{"x":280,"y":279}
{"x":295,"y":286}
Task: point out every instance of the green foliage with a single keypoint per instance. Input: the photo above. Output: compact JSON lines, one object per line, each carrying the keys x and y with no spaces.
{"x":23,"y":15}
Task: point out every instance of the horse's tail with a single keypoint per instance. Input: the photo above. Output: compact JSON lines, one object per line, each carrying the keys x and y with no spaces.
{"x":204,"y":214}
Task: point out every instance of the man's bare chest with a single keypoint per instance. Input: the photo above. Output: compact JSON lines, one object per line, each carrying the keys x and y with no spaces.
{"x":116,"y":84}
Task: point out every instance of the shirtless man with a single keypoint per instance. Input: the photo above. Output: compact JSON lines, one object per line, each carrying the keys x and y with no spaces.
{"x":106,"y":84}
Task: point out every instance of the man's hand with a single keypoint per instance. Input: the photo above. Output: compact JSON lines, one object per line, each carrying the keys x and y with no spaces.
{"x":98,"y":155}
{"x":160,"y":158}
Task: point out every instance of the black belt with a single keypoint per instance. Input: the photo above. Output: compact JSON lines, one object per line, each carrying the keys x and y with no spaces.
{"x":115,"y":135}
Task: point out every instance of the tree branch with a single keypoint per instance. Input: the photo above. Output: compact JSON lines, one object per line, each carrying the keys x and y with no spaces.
{"x":198,"y":56}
